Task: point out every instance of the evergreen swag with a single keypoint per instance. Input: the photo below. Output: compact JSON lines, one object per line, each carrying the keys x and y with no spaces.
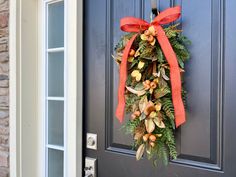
{"x":148,"y":92}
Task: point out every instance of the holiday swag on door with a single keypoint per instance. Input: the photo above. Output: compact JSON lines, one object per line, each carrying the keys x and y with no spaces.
{"x":151,"y":59}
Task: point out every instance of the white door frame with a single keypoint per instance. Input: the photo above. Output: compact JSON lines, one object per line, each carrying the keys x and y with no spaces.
{"x":25,"y":54}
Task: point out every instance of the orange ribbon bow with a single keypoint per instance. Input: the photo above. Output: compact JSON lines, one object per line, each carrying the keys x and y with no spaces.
{"x":132,"y":24}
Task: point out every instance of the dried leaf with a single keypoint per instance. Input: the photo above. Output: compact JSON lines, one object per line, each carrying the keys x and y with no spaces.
{"x":139,"y":87}
{"x":163,"y":73}
{"x":150,"y":125}
{"x":161,"y":92}
{"x":140,"y":151}
{"x":153,"y":114}
{"x":143,"y":103}
{"x":162,"y":83}
{"x":142,"y":117}
{"x":159,"y":122}
{"x":137,"y":92}
{"x":141,"y":65}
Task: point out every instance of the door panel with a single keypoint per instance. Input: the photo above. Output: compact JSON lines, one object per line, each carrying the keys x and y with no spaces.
{"x":200,"y":141}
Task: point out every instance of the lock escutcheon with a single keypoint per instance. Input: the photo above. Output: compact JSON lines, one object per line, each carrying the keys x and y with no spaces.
{"x":91,"y":141}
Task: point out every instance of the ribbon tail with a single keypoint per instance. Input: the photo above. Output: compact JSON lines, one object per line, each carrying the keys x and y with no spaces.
{"x":174,"y":76}
{"x":120,"y":110}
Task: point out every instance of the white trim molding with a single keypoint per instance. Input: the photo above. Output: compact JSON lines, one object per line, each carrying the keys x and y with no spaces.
{"x":25,"y":117}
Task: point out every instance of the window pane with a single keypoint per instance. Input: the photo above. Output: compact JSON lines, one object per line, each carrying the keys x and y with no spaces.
{"x":55,"y":163}
{"x":55,"y":122}
{"x":56,"y":25}
{"x":56,"y":74}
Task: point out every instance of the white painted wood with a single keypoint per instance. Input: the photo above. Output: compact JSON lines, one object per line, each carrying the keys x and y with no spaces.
{"x":26,"y":127}
{"x":13,"y":88}
{"x":74,"y":11}
{"x":23,"y":101}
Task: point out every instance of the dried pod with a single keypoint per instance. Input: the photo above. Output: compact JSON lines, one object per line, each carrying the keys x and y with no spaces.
{"x":137,"y":113}
{"x":132,"y":52}
{"x":145,"y":137}
{"x":147,"y":32}
{"x":153,"y":85}
{"x":150,"y":38}
{"x":152,"y":138}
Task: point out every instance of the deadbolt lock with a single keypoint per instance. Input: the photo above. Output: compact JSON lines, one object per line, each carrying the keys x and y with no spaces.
{"x":91,"y":141}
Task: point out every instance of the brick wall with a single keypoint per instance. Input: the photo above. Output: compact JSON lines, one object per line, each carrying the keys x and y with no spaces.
{"x":4,"y":89}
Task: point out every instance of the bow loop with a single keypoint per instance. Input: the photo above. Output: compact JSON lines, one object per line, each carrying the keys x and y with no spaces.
{"x":133,"y":24}
{"x":167,"y":16}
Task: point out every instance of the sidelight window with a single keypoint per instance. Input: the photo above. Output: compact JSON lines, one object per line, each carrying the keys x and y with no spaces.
{"x":55,"y":97}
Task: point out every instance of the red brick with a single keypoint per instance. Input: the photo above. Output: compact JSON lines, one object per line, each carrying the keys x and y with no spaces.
{"x":4,"y":17}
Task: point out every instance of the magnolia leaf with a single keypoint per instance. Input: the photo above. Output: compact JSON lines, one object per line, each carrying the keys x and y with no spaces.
{"x":161,"y":92}
{"x":139,"y":87}
{"x":162,"y":83}
{"x":143,"y":103}
{"x":137,"y":92}
{"x":159,"y":122}
{"x":140,"y":151}
{"x":152,"y":114}
{"x":142,"y":117}
{"x":150,"y":125}
{"x":163,"y":73}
